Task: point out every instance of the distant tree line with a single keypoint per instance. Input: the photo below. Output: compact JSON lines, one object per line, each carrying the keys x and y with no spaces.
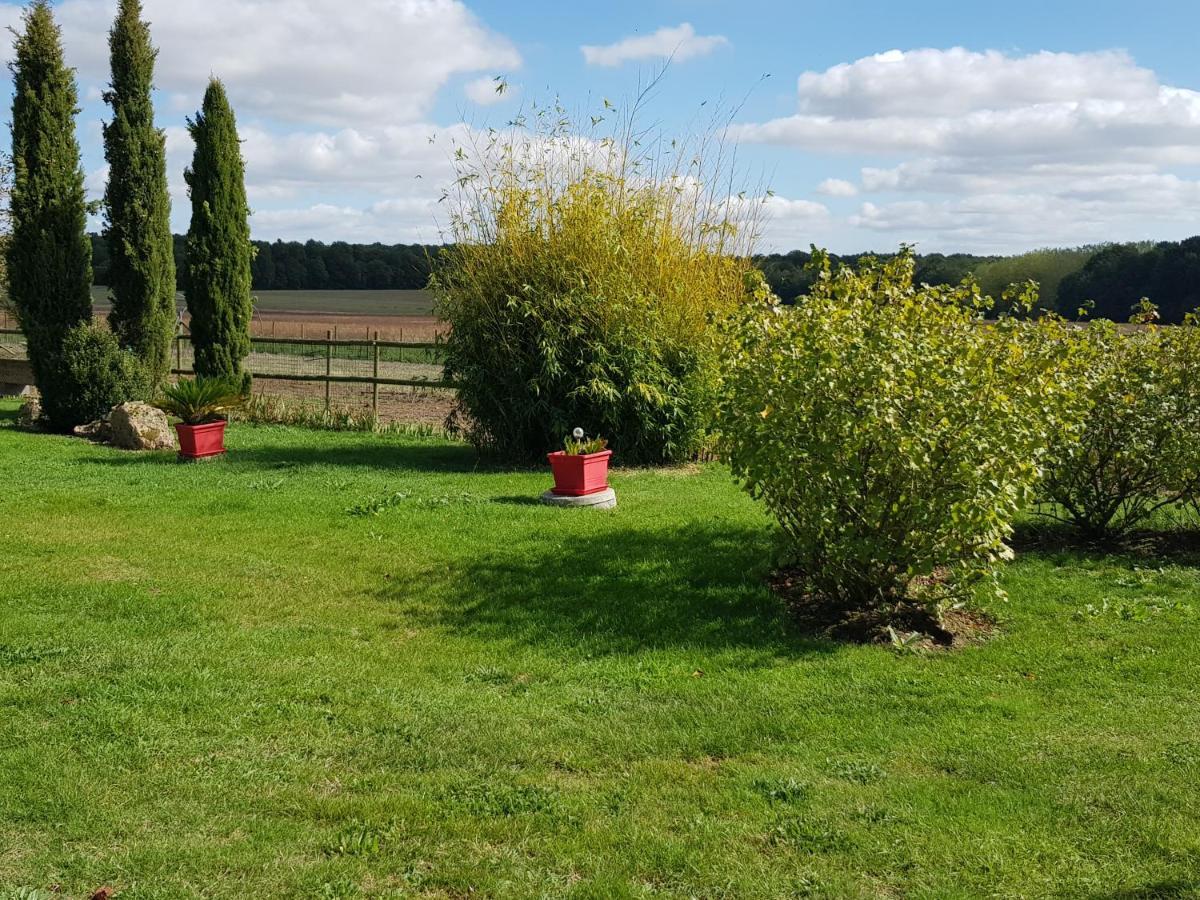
{"x":1107,"y":281}
{"x":1117,"y":277}
{"x":313,"y":266}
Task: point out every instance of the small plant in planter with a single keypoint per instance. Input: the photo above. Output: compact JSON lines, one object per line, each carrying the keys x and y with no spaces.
{"x":581,"y":468}
{"x":202,"y":406}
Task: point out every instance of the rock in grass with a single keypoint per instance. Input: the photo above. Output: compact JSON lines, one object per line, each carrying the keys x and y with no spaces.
{"x":140,"y":426}
{"x":30,"y":414}
{"x":99,"y":431}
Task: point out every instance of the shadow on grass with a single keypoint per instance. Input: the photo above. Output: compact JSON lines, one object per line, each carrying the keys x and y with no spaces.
{"x":1159,"y":890}
{"x":622,"y":590}
{"x":376,"y":454}
{"x":1178,"y":544}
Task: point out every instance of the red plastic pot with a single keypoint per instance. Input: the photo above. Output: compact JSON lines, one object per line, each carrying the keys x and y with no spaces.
{"x":579,"y":476}
{"x":201,"y":441}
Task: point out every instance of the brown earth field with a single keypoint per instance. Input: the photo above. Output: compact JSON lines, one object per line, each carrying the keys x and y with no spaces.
{"x":345,"y":326}
{"x":349,"y":327}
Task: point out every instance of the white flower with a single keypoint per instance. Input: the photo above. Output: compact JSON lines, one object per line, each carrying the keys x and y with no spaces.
{"x":577,"y":434}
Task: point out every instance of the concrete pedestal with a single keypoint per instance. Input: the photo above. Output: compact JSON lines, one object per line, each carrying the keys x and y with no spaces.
{"x":603,"y":500}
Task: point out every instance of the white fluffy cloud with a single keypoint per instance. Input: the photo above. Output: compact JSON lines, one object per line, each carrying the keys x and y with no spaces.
{"x":785,"y":223}
{"x":997,"y":151}
{"x":300,"y":60}
{"x":955,"y":82}
{"x":1095,"y":212}
{"x":837,"y":187}
{"x":351,"y":158}
{"x":488,"y":91}
{"x":333,"y":108}
{"x":679,"y":43}
{"x":404,"y":220}
{"x":959,"y":103}
{"x":382,"y":185}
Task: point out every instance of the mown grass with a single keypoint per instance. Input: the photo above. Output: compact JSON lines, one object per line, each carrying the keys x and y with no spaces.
{"x":359,"y":303}
{"x":315,"y":352}
{"x":340,"y":665}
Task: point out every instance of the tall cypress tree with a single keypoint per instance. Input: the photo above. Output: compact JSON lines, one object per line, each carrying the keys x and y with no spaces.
{"x":217,"y":274}
{"x":49,"y":254}
{"x":137,"y":203}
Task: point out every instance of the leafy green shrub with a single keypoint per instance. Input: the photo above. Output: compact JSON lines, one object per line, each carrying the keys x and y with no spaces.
{"x":893,"y":434}
{"x":582,"y":288}
{"x":200,"y":400}
{"x":93,"y":375}
{"x":1139,"y":450}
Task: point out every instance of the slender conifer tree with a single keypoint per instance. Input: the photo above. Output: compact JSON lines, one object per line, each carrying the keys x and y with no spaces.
{"x":137,"y":202}
{"x":49,"y":253}
{"x":219,"y":252}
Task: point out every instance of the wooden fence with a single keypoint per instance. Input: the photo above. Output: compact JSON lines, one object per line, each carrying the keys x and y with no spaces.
{"x":317,"y":361}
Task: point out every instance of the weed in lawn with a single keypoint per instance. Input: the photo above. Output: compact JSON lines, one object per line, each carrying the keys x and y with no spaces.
{"x":342,"y":889}
{"x":504,"y":800}
{"x":783,"y":790}
{"x":360,"y":839}
{"x":807,"y":836}
{"x":1135,"y":609}
{"x":17,"y":655}
{"x":377,"y":505}
{"x":265,"y":484}
{"x":872,"y":815}
{"x":856,"y":771}
{"x":464,"y":499}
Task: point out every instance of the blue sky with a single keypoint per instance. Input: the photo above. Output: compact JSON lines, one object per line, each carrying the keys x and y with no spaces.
{"x":958,"y":126}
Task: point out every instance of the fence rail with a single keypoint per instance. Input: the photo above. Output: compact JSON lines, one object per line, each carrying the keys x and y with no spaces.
{"x":329,"y":361}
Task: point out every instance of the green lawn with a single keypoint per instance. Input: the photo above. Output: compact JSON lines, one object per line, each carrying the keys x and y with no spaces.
{"x":216,"y":681}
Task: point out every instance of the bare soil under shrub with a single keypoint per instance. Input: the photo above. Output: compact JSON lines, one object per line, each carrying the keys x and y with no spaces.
{"x":906,"y":622}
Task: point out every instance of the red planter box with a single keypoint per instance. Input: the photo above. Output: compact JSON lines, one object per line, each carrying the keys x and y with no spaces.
{"x":201,"y":441}
{"x":578,"y":476}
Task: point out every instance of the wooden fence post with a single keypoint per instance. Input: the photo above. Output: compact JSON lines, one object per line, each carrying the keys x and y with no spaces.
{"x":375,"y":375}
{"x":328,"y":365}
